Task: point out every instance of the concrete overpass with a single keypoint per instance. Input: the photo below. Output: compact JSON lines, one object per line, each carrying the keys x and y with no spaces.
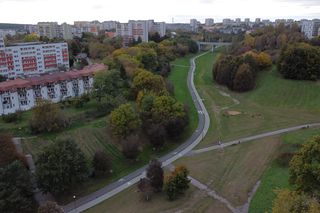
{"x":213,"y":45}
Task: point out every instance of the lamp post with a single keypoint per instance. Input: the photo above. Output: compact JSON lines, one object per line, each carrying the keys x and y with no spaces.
{"x":74,"y":202}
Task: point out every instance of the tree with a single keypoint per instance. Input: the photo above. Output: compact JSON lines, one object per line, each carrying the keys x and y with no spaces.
{"x":101,"y":162}
{"x":2,"y":78}
{"x":177,"y":182}
{"x":124,"y":120}
{"x":108,"y":83}
{"x":47,"y":117}
{"x":9,"y":152}
{"x":292,"y":202}
{"x":156,"y":134}
{"x":155,"y":175}
{"x":155,"y":37}
{"x":166,"y":108}
{"x":31,"y":37}
{"x":50,"y":207}
{"x":130,"y":146}
{"x":300,"y":61}
{"x":16,"y":191}
{"x":61,"y":166}
{"x":264,"y":60}
{"x":305,"y":168}
{"x":244,"y":79}
{"x":148,"y":57}
{"x":145,"y":187}
{"x":145,"y":80}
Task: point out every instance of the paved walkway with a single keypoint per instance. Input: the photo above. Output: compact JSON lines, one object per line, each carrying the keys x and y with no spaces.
{"x":125,"y":182}
{"x":251,"y":138}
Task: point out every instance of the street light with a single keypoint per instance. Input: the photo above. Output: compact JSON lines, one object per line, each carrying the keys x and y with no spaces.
{"x":74,"y":202}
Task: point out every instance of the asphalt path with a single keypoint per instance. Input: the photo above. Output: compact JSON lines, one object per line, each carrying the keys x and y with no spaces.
{"x":112,"y":189}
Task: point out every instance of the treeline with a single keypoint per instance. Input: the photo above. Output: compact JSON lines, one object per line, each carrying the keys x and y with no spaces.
{"x":239,"y":65}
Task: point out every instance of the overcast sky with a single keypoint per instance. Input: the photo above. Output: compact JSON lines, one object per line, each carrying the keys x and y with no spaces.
{"x":33,"y":11}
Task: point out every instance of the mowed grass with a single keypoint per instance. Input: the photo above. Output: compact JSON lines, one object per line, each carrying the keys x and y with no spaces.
{"x":178,"y":76}
{"x":275,"y":103}
{"x":130,"y":201}
{"x":277,"y":177}
{"x":233,"y":171}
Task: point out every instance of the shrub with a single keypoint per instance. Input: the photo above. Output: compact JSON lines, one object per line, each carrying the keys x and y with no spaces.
{"x":13,"y":117}
{"x":284,"y":159}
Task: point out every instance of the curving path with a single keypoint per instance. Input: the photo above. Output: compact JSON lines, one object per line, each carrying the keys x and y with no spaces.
{"x":125,"y":182}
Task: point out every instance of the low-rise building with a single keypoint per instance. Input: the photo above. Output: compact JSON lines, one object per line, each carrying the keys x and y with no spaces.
{"x":21,"y":94}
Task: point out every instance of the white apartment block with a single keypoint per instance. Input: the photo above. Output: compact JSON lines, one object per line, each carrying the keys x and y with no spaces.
{"x":109,"y":25}
{"x":21,"y":94}
{"x":133,"y":30}
{"x":33,"y":58}
{"x":87,"y":27}
{"x":209,"y":22}
{"x":310,"y":28}
{"x":49,"y":29}
{"x":66,"y":31}
{"x":194,"y":25}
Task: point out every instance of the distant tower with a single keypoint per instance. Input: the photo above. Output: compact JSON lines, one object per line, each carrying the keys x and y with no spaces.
{"x":172,"y":20}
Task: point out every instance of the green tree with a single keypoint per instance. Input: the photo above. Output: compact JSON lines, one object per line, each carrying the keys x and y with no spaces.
{"x":16,"y":192}
{"x":124,"y":120}
{"x":148,"y":57}
{"x":50,"y":207}
{"x":61,"y":166}
{"x":47,"y":117}
{"x":108,"y":83}
{"x":305,"y":168}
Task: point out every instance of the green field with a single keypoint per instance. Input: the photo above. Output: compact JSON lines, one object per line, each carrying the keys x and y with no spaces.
{"x":178,"y":77}
{"x":275,"y":103}
{"x":276,"y":176}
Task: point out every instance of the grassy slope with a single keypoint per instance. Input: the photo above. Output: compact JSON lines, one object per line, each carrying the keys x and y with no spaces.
{"x":274,"y":103}
{"x":277,"y":177}
{"x":178,"y":77}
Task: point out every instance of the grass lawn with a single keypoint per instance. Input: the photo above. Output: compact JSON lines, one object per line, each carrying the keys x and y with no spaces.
{"x":130,"y":201}
{"x":274,"y":103}
{"x":276,"y":176}
{"x":234,"y":171}
{"x":178,"y":76}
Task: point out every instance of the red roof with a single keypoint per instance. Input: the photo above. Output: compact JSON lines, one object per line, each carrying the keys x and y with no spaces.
{"x":50,"y":78}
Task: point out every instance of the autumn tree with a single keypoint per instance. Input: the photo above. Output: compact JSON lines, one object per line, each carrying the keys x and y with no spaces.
{"x":305,"y":168}
{"x":148,"y":57}
{"x":47,"y":117}
{"x":155,"y":175}
{"x":9,"y":152}
{"x":16,"y":191}
{"x":264,"y":60}
{"x":293,"y":202}
{"x":177,"y":182}
{"x":61,"y":166}
{"x":50,"y":207}
{"x":145,"y":80}
{"x":124,"y":120}
{"x":300,"y":61}
{"x":243,"y":80}
{"x":145,"y":188}
{"x":101,"y":162}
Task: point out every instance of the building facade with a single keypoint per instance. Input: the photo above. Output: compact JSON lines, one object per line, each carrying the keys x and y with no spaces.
{"x":209,"y":22}
{"x":194,"y":25}
{"x":33,"y":58}
{"x":310,"y":28}
{"x":49,"y":29}
{"x":21,"y":94}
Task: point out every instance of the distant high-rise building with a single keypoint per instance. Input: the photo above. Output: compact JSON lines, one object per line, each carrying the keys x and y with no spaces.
{"x":258,"y":20}
{"x":310,"y":28}
{"x":66,"y":31}
{"x":109,"y":25}
{"x":209,"y":22}
{"x":159,"y":27}
{"x":194,"y":25}
{"x":227,"y":22}
{"x":247,"y":21}
{"x":238,"y":21}
{"x":49,"y":29}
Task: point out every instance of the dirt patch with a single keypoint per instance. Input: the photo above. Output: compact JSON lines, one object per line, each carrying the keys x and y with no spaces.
{"x":233,"y":113}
